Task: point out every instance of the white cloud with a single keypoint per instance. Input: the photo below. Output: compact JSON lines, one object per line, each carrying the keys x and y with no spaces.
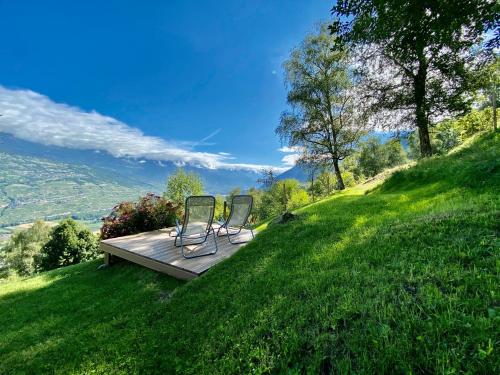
{"x":293,"y":154}
{"x":34,"y":117}
{"x":287,"y":149}
{"x":290,"y":159}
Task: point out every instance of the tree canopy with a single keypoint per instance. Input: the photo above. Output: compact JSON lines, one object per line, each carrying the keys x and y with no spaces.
{"x":324,"y":121}
{"x":69,"y":243}
{"x":181,"y":185}
{"x":418,"y":56}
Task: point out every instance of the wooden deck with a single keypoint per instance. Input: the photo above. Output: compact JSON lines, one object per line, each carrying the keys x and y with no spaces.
{"x":156,"y":250}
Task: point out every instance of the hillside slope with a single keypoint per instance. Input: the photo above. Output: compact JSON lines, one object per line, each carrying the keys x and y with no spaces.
{"x":404,"y":278}
{"x":35,"y":188}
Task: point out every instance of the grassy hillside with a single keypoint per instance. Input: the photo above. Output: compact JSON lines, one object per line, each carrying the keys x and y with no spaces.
{"x":404,"y":278}
{"x":34,"y":188}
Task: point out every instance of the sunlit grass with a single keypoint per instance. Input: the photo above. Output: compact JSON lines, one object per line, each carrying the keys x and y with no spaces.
{"x":401,"y":277}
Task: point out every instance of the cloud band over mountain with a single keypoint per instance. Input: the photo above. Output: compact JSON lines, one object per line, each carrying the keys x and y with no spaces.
{"x":34,"y":117}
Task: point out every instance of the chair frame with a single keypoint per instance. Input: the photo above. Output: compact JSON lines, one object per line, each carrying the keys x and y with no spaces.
{"x":225,"y":226}
{"x":181,"y":230}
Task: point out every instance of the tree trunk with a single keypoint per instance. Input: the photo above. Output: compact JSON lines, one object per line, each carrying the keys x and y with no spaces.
{"x":312,"y":187}
{"x":284,"y":196}
{"x":422,"y":122}
{"x":494,"y":107}
{"x":340,"y":181}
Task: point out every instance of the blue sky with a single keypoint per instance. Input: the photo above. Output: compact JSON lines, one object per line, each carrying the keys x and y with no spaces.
{"x":204,"y":77}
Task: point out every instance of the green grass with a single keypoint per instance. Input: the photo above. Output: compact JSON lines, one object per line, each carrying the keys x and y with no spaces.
{"x":403,"y":278}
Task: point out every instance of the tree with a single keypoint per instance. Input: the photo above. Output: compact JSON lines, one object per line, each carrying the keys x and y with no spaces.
{"x":70,"y":243}
{"x":323,"y":120}
{"x":426,"y":46}
{"x":268,"y":178}
{"x":232,"y":193}
{"x":23,"y":248}
{"x":312,"y":170}
{"x":181,"y":185}
{"x":324,"y":183}
{"x":491,"y":86}
{"x":283,"y":196}
{"x":395,"y":154}
{"x":372,"y":158}
{"x":257,"y":195}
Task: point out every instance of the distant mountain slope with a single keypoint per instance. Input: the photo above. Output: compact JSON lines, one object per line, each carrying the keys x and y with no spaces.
{"x":143,"y":172}
{"x":34,"y":188}
{"x":297,"y":172}
{"x":48,"y":182}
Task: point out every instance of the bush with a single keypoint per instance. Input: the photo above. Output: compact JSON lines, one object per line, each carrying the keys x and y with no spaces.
{"x":150,"y":213}
{"x":70,"y":243}
{"x":22,"y":251}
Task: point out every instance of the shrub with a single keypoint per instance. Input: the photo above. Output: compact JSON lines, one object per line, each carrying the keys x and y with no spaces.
{"x":70,"y":243}
{"x":22,"y":251}
{"x":151,"y":212}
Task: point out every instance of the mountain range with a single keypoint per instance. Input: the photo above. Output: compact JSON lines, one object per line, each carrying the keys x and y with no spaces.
{"x":49,"y":182}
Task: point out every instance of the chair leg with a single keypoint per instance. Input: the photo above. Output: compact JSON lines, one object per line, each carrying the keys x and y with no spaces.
{"x":199,"y":243}
{"x":234,"y":234}
{"x":223,"y":226}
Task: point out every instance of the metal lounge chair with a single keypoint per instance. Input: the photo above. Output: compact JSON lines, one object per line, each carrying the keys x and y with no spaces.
{"x":241,"y":207}
{"x":197,"y":224}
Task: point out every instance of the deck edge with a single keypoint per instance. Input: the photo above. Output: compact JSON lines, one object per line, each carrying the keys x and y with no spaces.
{"x":153,"y":264}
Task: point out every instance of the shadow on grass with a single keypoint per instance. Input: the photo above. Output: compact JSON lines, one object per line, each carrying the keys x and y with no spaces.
{"x":62,"y":318}
{"x":398,"y":280}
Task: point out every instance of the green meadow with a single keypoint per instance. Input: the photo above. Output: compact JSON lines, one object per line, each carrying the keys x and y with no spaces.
{"x":401,"y":277}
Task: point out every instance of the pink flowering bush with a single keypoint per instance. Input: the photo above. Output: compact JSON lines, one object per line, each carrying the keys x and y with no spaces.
{"x":151,"y":212}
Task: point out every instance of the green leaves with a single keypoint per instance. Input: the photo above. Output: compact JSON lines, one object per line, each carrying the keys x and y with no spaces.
{"x":427,"y":52}
{"x":323,"y":118}
{"x":181,"y":185}
{"x":70,"y":243}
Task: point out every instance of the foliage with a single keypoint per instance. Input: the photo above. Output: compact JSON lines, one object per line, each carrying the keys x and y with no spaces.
{"x":358,"y":283}
{"x":22,"y":252}
{"x":417,"y":56}
{"x":349,"y":179}
{"x":181,"y":185}
{"x":282,"y":196}
{"x":450,"y":133}
{"x":312,"y":170}
{"x":324,"y":121}
{"x":257,"y":195}
{"x":373,"y":156}
{"x":151,"y":212}
{"x":69,"y":243}
{"x":325,"y":183}
{"x":219,"y":207}
{"x":232,"y":193}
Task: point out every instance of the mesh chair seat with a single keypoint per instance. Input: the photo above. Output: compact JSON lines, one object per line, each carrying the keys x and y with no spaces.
{"x":241,"y":208}
{"x":197,"y":224}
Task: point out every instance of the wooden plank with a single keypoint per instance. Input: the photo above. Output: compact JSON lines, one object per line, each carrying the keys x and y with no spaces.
{"x":156,"y":250}
{"x":149,"y":263}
